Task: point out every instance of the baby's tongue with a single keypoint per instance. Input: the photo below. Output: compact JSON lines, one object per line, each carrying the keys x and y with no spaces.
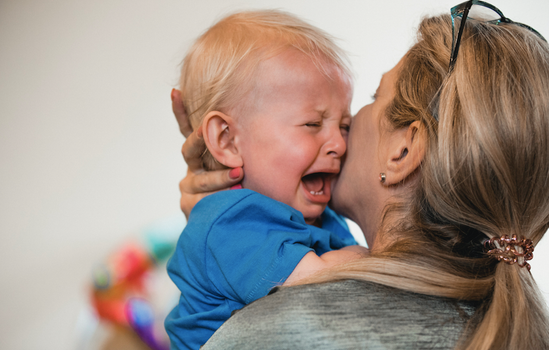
{"x":313,"y":182}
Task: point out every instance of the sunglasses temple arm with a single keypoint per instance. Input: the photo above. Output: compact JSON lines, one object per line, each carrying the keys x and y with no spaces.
{"x":458,"y":40}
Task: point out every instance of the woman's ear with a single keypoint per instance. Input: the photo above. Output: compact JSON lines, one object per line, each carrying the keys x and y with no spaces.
{"x":220,"y":135}
{"x":406,"y":153}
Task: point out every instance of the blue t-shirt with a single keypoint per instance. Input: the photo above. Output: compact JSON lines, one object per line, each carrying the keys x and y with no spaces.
{"x":236,"y":247}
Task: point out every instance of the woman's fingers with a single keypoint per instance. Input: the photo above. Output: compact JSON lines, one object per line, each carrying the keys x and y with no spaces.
{"x":212,"y":181}
{"x":193,"y":149}
{"x":180,"y":113}
{"x":188,"y":200}
{"x":196,"y":186}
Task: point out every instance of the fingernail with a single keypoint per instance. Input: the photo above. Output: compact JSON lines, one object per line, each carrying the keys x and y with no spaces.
{"x":234,"y":173}
{"x":172,"y":94}
{"x":236,"y":187}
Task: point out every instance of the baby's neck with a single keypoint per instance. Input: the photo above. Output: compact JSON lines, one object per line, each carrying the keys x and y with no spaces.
{"x":314,"y":222}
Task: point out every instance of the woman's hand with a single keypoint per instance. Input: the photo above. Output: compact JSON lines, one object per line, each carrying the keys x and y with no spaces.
{"x":198,"y":183}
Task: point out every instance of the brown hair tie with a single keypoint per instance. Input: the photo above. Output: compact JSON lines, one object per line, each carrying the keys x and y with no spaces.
{"x":510,"y":250}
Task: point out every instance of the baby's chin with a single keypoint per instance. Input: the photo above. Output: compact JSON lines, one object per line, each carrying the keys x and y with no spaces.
{"x":314,"y":217}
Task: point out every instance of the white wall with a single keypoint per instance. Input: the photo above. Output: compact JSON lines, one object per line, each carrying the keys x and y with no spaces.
{"x":89,"y":149}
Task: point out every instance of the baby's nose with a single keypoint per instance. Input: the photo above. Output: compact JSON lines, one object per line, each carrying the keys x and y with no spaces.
{"x":336,"y":145}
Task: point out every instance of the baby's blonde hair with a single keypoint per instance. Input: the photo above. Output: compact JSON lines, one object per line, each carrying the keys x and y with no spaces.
{"x":219,"y":69}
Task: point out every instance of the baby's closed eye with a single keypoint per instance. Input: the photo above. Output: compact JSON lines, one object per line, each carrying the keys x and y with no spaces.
{"x":315,"y":124}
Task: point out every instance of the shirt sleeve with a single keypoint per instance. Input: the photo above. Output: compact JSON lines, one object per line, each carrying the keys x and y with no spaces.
{"x":256,"y":244}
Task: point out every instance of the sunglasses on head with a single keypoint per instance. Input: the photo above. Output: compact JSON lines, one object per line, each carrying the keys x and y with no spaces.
{"x":481,"y":11}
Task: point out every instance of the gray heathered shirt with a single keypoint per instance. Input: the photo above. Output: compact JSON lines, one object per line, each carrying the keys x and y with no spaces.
{"x":344,"y":315}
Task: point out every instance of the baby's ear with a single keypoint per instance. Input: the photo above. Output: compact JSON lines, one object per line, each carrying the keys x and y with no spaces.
{"x":220,"y":132}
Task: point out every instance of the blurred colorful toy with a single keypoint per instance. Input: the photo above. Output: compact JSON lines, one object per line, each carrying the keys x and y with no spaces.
{"x":123,"y":286}
{"x":140,"y":316}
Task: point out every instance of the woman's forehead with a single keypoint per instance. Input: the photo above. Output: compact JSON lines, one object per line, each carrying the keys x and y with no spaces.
{"x":388,"y":78}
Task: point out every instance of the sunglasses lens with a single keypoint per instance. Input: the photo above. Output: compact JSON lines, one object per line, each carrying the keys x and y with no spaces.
{"x":481,"y":13}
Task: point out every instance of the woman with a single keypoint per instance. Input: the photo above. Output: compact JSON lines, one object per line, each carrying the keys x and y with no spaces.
{"x":443,"y":167}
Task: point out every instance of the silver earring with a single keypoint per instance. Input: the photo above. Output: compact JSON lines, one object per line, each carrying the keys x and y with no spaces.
{"x":382,"y":177}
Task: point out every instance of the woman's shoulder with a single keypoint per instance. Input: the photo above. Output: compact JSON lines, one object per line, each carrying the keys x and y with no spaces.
{"x":345,"y":315}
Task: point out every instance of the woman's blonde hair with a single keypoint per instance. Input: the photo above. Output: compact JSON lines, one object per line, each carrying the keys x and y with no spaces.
{"x":218,"y":71}
{"x":485,"y":174}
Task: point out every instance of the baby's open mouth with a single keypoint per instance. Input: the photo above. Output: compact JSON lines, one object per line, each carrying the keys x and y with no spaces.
{"x":314,"y":183}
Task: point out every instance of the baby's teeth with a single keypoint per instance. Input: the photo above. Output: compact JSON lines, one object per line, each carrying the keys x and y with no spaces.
{"x":316,"y":193}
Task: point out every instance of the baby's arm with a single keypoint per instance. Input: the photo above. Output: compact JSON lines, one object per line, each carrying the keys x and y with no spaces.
{"x":312,"y":263}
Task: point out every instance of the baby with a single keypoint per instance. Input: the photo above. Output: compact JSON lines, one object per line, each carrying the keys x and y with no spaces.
{"x":272,"y":95}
